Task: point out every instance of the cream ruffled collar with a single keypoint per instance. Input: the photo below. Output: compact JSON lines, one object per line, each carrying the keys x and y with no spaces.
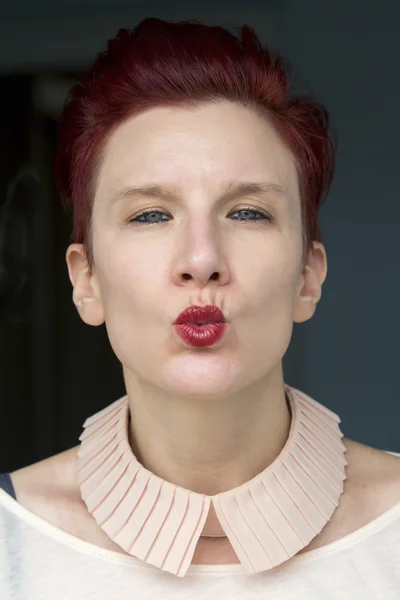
{"x":267,"y":520}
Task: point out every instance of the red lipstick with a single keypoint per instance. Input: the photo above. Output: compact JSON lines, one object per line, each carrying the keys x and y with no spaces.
{"x":201,"y":326}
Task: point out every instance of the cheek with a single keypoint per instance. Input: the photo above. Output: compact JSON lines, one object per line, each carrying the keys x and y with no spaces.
{"x":273,"y":281}
{"x":129,"y":290}
{"x":126,"y":289}
{"x":271,"y":294}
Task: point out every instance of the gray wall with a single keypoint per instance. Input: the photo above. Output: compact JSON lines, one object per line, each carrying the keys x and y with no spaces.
{"x":348,"y":356}
{"x":46,"y":34}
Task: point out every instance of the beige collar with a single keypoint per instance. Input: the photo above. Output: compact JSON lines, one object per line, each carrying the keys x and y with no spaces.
{"x":267,"y":520}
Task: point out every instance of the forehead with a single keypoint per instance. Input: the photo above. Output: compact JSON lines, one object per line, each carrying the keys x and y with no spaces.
{"x":195,"y":148}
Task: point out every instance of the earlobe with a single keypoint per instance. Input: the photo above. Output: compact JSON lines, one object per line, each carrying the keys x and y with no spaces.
{"x":90,"y":311}
{"x":86,"y":295}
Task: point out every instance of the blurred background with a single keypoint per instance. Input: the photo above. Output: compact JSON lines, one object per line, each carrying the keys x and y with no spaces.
{"x":54,"y":370}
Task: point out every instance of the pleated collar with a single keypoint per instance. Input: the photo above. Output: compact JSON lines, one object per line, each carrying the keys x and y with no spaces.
{"x":267,"y":520}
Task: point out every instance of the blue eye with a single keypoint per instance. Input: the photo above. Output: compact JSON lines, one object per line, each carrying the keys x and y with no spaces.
{"x":263,"y":216}
{"x":149,"y":217}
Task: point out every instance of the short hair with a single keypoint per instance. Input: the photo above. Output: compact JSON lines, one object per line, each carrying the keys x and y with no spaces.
{"x":163,"y":63}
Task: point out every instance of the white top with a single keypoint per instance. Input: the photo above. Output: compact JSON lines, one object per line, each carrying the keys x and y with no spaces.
{"x":38,"y":561}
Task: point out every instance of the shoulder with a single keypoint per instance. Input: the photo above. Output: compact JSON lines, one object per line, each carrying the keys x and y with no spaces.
{"x":373,"y":478}
{"x":50,"y":490}
{"x":49,"y":486}
{"x":38,"y":479}
{"x":372,"y":487}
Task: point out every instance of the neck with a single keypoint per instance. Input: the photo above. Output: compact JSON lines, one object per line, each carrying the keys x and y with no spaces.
{"x":161,"y":523}
{"x":208,"y":446}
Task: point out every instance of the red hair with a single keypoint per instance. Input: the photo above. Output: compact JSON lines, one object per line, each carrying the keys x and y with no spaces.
{"x":185,"y":64}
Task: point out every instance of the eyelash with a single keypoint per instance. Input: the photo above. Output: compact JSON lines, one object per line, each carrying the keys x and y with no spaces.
{"x":265,"y":216}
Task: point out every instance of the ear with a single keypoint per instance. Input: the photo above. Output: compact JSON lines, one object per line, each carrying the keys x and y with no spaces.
{"x":86,"y":293}
{"x":310,"y":286}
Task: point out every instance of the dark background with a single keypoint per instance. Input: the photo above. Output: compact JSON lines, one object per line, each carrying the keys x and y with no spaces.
{"x":54,"y":370}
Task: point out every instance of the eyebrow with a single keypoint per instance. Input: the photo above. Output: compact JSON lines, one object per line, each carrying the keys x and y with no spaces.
{"x":234,"y":190}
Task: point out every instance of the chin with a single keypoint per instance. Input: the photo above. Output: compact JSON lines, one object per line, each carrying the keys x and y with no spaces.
{"x":202,"y":375}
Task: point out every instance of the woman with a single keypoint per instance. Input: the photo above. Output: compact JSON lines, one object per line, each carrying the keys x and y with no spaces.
{"x":195,"y":177}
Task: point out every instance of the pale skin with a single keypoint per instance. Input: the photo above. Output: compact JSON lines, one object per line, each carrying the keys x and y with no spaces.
{"x":205,"y":419}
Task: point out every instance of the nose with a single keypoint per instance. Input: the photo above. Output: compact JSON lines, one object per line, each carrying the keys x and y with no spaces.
{"x":200,"y":279}
{"x":201,"y":260}
{"x":199,"y":272}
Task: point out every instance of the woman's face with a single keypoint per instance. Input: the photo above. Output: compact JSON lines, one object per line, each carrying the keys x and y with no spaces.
{"x":200,"y":244}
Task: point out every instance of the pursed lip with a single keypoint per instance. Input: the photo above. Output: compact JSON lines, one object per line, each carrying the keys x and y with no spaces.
{"x":200,"y":315}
